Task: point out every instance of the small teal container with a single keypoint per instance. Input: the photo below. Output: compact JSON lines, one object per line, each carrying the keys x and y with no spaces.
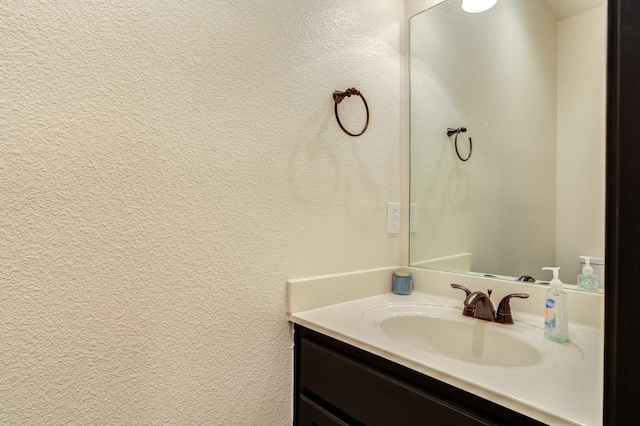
{"x":402,"y":282}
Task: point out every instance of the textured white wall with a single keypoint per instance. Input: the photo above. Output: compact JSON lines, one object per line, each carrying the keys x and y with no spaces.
{"x":165,"y":167}
{"x":497,"y":77}
{"x":581,"y":139}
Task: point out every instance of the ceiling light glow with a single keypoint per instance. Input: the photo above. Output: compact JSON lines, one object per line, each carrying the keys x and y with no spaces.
{"x":476,"y":6}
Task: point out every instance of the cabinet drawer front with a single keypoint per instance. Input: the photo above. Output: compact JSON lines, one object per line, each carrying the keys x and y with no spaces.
{"x":371,"y":397}
{"x":313,"y":415}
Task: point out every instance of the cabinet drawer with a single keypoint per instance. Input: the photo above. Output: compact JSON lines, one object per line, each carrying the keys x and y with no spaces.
{"x":312,"y":414}
{"x":371,"y":397}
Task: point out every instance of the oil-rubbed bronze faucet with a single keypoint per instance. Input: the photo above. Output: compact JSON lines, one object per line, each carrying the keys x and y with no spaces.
{"x":478,"y":305}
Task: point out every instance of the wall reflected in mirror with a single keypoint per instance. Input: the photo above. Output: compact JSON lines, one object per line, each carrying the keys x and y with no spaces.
{"x":527,"y":81}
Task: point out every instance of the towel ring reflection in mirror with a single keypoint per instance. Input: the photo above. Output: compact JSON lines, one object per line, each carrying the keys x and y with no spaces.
{"x":339,"y":96}
{"x":456,"y":132}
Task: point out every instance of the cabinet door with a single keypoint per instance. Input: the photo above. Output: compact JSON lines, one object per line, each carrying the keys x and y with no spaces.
{"x":371,"y":397}
{"x":312,"y":414}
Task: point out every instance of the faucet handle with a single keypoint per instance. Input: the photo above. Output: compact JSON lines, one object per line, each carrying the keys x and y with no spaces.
{"x":467,"y":310}
{"x":461,"y":287}
{"x":503,"y":316}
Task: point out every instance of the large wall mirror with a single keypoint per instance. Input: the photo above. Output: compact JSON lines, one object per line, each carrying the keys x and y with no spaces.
{"x":526,"y":187}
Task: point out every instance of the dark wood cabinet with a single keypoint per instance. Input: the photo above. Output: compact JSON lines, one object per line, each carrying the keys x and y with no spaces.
{"x":339,"y":384}
{"x":311,"y":414}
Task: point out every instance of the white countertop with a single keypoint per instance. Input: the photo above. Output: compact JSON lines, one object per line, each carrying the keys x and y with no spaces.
{"x":565,"y":388}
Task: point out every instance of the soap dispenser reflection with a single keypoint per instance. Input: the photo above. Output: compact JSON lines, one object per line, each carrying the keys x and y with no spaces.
{"x":587,"y":280}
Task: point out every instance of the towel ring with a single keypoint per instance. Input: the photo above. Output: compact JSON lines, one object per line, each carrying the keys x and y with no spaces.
{"x":456,"y":132}
{"x":338,"y":96}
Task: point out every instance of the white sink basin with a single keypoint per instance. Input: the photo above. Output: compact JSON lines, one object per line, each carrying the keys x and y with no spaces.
{"x":443,"y":330}
{"x":478,"y":342}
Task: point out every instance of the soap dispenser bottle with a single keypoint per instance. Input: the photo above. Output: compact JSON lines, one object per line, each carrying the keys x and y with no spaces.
{"x":587,"y":281}
{"x":556,"y":312}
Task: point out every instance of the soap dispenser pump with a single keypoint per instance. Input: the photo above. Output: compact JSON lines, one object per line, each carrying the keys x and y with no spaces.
{"x":556,"y":312}
{"x":587,"y":280}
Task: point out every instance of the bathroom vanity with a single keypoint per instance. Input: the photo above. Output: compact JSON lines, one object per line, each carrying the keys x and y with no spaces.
{"x":386,"y":359}
{"x":340,"y":384}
